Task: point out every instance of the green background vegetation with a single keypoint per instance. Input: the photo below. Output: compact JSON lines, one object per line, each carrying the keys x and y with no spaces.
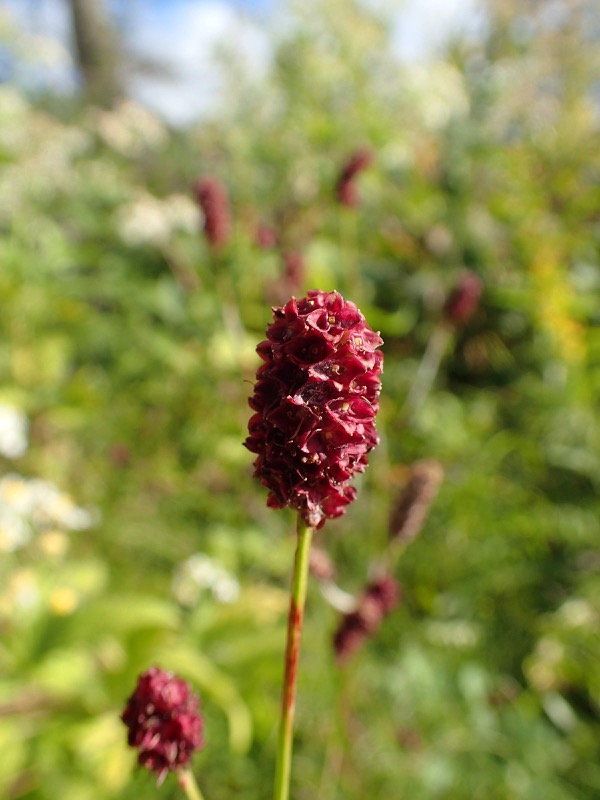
{"x":131,"y":350}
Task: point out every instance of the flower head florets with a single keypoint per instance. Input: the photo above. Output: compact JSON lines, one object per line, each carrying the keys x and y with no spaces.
{"x":315,"y":398}
{"x":163,"y":722}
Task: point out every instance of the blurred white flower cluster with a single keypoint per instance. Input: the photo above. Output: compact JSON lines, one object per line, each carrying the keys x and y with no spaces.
{"x":129,"y":128}
{"x":34,"y":506}
{"x":147,"y":220}
{"x":200,"y":573}
{"x":13,"y":431}
{"x":40,"y":163}
{"x":20,"y":592}
{"x":439,"y":93}
{"x":452,"y":633}
{"x":14,"y":110}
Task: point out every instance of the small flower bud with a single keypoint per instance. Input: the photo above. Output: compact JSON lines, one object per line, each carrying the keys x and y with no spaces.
{"x":378,"y":600}
{"x":266,"y":237}
{"x":347,"y":194}
{"x":464,"y":299}
{"x":346,"y":191}
{"x":411,"y":509}
{"x":212,"y":199}
{"x":293,"y":264}
{"x":315,"y":398}
{"x":359,"y":161}
{"x":163,"y":722}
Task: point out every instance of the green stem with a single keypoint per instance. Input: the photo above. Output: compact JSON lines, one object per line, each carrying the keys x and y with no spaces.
{"x":351,"y":282}
{"x":226,"y":293}
{"x":292,"y":653}
{"x":189,"y":785}
{"x":428,"y":369}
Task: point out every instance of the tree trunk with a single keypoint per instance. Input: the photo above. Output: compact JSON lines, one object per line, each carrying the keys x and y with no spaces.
{"x":98,"y":52}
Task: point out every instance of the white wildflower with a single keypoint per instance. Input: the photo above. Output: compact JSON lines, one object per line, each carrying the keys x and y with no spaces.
{"x":182,"y":213}
{"x":452,"y":633}
{"x":53,"y":543}
{"x":201,"y":573}
{"x":14,"y":530}
{"x":50,"y":506}
{"x":30,"y":506}
{"x":22,"y":590}
{"x":544,"y":666}
{"x":13,"y":431}
{"x":129,"y":128}
{"x":144,"y":222}
{"x":577,"y":613}
{"x":226,"y":588}
{"x":439,"y":93}
{"x":149,"y":220}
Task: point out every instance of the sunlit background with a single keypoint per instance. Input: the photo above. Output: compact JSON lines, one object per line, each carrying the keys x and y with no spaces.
{"x":439,"y":164}
{"x":173,"y":46}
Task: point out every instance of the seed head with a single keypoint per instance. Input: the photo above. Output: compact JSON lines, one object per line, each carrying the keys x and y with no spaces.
{"x":315,"y":398}
{"x":163,"y":722}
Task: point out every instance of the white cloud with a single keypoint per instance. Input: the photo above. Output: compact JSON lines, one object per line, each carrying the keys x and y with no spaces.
{"x":188,"y":34}
{"x":48,"y":17}
{"x":422,"y":26}
{"x":42,"y":44}
{"x":188,"y":41}
{"x":185,"y":36}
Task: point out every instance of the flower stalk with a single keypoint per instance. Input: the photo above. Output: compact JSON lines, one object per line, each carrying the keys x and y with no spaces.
{"x":292,"y":654}
{"x":458,"y":309}
{"x":315,"y":400}
{"x":427,"y":371}
{"x":188,"y":784}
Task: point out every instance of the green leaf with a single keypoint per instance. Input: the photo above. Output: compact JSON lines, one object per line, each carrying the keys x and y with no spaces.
{"x":214,"y":683}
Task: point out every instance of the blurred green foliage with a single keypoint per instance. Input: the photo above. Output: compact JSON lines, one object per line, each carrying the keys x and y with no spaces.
{"x":130,"y":349}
